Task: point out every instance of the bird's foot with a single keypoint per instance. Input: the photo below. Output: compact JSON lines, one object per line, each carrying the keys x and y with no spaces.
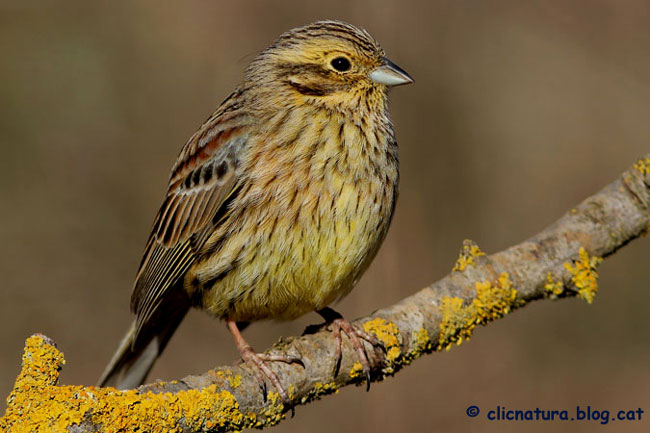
{"x":337,"y":324}
{"x":258,"y":364}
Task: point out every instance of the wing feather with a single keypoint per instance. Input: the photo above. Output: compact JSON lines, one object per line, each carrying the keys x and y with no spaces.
{"x":204,"y":176}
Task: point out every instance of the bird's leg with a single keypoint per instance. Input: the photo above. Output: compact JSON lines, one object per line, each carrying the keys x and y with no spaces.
{"x":258,"y":362}
{"x":336,"y":323}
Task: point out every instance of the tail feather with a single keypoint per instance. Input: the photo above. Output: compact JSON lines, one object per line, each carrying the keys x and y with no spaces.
{"x":136,"y":354}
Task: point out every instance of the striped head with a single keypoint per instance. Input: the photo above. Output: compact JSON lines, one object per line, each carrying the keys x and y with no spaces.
{"x":329,"y":63}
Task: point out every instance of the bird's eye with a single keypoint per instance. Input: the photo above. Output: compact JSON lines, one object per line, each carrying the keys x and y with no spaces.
{"x":341,"y":64}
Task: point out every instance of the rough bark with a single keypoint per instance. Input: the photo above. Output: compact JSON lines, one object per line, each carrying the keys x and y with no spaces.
{"x":559,"y":262}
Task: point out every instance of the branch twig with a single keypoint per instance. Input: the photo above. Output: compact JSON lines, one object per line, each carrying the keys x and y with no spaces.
{"x":558,"y":262}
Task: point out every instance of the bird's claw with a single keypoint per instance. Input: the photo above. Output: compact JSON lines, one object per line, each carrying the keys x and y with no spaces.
{"x":257,"y":362}
{"x":355,"y":335}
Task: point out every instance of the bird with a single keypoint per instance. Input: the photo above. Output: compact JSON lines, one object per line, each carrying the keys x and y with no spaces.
{"x":277,"y":204}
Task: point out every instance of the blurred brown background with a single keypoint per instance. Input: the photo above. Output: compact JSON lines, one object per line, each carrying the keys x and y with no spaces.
{"x":519,"y":111}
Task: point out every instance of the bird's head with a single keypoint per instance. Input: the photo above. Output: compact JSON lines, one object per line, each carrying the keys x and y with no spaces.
{"x":328,"y":63}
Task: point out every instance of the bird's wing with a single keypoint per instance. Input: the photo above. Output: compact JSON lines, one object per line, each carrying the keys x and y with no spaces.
{"x":202,"y":179}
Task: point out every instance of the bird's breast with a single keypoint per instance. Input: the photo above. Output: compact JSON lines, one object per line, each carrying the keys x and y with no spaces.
{"x":307,"y":224}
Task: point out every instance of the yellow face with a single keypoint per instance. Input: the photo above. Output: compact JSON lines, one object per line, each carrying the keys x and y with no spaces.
{"x":326,"y":66}
{"x":328,"y":62}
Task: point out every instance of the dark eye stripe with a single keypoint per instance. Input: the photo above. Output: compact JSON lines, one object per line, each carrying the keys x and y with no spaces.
{"x":298,"y":68}
{"x":309,"y":90}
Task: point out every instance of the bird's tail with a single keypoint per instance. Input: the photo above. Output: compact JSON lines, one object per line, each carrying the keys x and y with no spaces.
{"x":137,"y":353}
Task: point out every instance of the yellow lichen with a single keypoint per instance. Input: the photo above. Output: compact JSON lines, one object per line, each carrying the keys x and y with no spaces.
{"x":356,"y":370}
{"x":320,"y":389}
{"x":419,"y":345}
{"x":422,"y":340}
{"x":643,"y":166}
{"x":326,"y":388}
{"x":274,"y":413}
{"x":251,"y":419}
{"x":388,"y":335}
{"x":467,"y":255}
{"x":584,"y":275}
{"x":554,"y":288}
{"x":37,"y":404}
{"x":455,"y":318}
{"x":234,"y":380}
{"x":493,"y":300}
{"x":38,"y":376}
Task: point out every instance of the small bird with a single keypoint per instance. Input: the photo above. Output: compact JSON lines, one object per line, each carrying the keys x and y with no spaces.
{"x":277,"y":204}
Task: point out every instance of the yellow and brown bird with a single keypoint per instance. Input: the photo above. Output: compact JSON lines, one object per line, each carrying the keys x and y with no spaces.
{"x":278,"y":203}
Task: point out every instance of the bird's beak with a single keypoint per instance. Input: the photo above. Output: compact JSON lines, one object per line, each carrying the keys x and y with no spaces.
{"x":390,"y":74}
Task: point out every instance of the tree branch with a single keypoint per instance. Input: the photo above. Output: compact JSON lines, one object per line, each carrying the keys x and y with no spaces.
{"x":559,"y":262}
